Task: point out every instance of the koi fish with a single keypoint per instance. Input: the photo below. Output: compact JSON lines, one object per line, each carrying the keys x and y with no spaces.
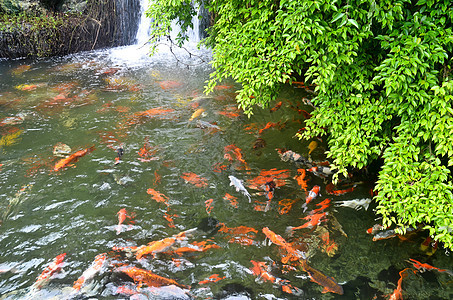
{"x":269,"y":125}
{"x":375,"y":228}
{"x":119,"y":153}
{"x":72,"y":158}
{"x":158,"y":246}
{"x":212,"y":278}
{"x":397,"y":293}
{"x":121,"y":217}
{"x":426,"y":267}
{"x":149,"y":278}
{"x":194,"y":247}
{"x":169,"y":84}
{"x":279,"y":240}
{"x":286,"y":205}
{"x":391,"y":233}
{"x":232,"y":199}
{"x":323,"y":205}
{"x":237,"y":183}
{"x":52,"y":268}
{"x":223,"y":87}
{"x":159,"y":197}
{"x":321,"y":171}
{"x":312,"y":146}
{"x":89,"y":273}
{"x":300,"y":178}
{"x":277,"y":106}
{"x":314,"y":220}
{"x":312,"y":194}
{"x":330,"y":189}
{"x":262,"y":271}
{"x":291,"y":156}
{"x":329,"y":283}
{"x":196,"y":114}
{"x":209,"y":205}
{"x":195,"y":179}
{"x":356,"y":204}
{"x":209,"y":126}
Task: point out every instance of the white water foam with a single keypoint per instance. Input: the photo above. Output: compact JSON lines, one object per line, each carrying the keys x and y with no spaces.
{"x":138,"y":54}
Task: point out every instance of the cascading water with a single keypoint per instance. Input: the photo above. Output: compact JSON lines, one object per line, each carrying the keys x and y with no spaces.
{"x":137,"y":53}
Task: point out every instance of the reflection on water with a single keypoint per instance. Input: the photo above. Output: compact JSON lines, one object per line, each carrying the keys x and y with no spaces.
{"x":169,"y":217}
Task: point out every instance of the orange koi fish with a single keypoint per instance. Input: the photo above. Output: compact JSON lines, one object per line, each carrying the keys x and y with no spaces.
{"x":229,"y":114}
{"x":300,"y":178}
{"x":158,"y":196}
{"x":208,"y":205}
{"x":279,"y":240}
{"x":195,"y":179}
{"x":329,"y":283}
{"x":271,"y":125}
{"x":212,"y":278}
{"x":169,"y":218}
{"x":147,"y":152}
{"x":149,"y":278}
{"x":328,"y":246}
{"x":330,"y":189}
{"x":286,"y":205}
{"x":426,"y":267}
{"x":54,"y":267}
{"x":89,"y":273}
{"x":315,"y":219}
{"x":223,"y":87}
{"x":157,"y":178}
{"x":312,"y":194}
{"x":323,"y":205}
{"x":397,"y":293}
{"x":236,"y":151}
{"x":218,"y":167}
{"x":156,"y":246}
{"x":277,"y":106}
{"x":194,"y":247}
{"x":121,"y":217}
{"x":277,"y":176}
{"x":72,"y":158}
{"x":232,"y":199}
{"x":242,"y":235}
{"x":196,"y":114}
{"x":170,"y":84}
{"x":262,"y":271}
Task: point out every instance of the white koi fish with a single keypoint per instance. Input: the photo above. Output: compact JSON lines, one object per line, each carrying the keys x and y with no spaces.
{"x":237,"y":183}
{"x":355,"y":203}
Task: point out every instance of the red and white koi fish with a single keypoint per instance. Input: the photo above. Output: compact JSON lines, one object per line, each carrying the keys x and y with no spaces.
{"x":121,"y":217}
{"x":312,"y":194}
{"x":321,"y":171}
{"x":52,"y":268}
{"x":72,"y":158}
{"x":89,"y":273}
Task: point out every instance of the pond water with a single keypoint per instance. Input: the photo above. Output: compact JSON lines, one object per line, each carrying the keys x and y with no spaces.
{"x":180,"y":147}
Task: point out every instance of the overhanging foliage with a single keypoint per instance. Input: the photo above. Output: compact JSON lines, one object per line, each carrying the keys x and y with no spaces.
{"x":382,"y":71}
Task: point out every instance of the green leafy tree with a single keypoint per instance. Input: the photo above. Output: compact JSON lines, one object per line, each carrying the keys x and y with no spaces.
{"x":384,"y":89}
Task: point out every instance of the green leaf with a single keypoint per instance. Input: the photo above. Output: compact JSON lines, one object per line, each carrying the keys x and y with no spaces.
{"x":336,"y":17}
{"x":353,"y":22}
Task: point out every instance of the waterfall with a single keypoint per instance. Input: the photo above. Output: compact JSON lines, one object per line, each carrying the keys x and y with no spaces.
{"x":138,"y":51}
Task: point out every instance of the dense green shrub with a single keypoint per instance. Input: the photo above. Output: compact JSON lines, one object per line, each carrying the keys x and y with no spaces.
{"x":382,"y":71}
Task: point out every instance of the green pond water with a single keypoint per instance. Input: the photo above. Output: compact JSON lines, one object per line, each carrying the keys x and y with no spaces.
{"x":103,"y":100}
